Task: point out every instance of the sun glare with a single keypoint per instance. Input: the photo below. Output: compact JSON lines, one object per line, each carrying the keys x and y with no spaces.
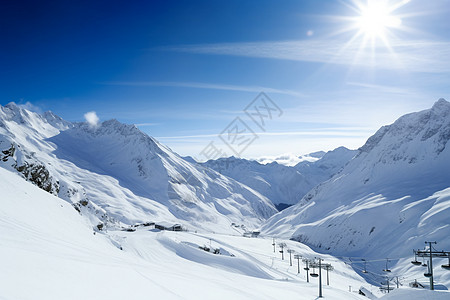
{"x":374,"y":24}
{"x":375,"y":18}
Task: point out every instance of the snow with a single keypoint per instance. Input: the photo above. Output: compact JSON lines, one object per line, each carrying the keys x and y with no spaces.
{"x":382,"y":203}
{"x":409,"y":294}
{"x":49,"y":251}
{"x":119,"y":176}
{"x":388,"y":200}
{"x":290,"y":159}
{"x":284,"y":185}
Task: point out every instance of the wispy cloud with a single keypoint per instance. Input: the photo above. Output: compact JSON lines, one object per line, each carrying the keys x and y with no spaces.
{"x":413,"y":55}
{"x":384,"y":88}
{"x":147,"y":124}
{"x":340,"y":132}
{"x":30,"y":106}
{"x":212,"y":86}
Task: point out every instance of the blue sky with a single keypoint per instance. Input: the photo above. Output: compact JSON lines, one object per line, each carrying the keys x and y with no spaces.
{"x":184,"y":70}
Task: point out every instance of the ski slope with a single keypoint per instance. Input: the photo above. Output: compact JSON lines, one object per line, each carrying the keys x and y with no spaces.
{"x":388,"y":200}
{"x":48,"y":251}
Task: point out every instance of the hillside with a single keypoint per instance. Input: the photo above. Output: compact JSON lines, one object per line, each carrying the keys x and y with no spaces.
{"x":48,"y":251}
{"x":116,"y":176}
{"x":391,"y":198}
{"x":283,"y":185}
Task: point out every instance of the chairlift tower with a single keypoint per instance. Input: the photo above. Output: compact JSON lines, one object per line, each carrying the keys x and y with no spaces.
{"x":388,"y":288}
{"x":306,"y":268}
{"x":282,"y":246}
{"x":290,"y":251}
{"x":320,"y":266}
{"x":298,"y":257}
{"x":430,"y":253}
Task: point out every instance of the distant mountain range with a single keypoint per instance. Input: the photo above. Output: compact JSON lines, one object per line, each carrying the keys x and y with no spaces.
{"x":284,"y":185}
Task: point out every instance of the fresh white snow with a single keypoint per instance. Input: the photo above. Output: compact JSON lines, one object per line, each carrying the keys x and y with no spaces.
{"x":390,"y":199}
{"x":284,"y":185}
{"x":48,"y":251}
{"x":119,"y":176}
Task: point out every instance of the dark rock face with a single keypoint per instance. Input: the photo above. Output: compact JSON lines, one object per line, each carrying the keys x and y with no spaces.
{"x":36,"y":173}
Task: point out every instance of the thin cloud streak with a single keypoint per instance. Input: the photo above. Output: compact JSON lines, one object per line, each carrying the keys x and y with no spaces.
{"x":211,"y":86}
{"x":384,"y":88}
{"x":414,"y":55}
{"x":147,"y":124}
{"x":349,"y":133}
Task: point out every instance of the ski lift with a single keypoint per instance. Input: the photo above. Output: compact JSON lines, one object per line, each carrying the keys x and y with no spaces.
{"x":428,"y":274}
{"x":313,"y":273}
{"x":423,"y":263}
{"x":365,"y":264}
{"x":306,"y":269}
{"x":447,"y":266}
{"x":386,"y":269}
{"x":415,"y":262}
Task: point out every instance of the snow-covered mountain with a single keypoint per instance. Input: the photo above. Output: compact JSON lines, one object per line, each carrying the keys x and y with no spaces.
{"x":48,"y":251}
{"x":392,"y":197}
{"x":114,"y":174}
{"x":326,"y":166}
{"x":283,"y":185}
{"x":290,"y":159}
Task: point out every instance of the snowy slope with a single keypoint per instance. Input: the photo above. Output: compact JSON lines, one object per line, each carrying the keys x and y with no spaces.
{"x":392,"y":197}
{"x":48,"y":251}
{"x":324,"y":168}
{"x":114,"y":174}
{"x":283,"y":185}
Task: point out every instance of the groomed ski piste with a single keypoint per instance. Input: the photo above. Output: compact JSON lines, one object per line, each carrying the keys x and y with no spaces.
{"x":49,"y":251}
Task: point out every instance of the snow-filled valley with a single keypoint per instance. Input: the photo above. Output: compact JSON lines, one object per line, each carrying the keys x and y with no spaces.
{"x":48,"y":251}
{"x":81,"y":205}
{"x":283,"y":185}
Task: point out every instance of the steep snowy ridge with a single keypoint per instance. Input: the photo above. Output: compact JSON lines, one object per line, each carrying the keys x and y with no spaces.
{"x":389,"y":199}
{"x":115,"y":174}
{"x":283,"y":185}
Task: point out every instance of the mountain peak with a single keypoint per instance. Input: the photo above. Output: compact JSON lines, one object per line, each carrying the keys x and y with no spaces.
{"x":12,"y":105}
{"x":441,"y":105}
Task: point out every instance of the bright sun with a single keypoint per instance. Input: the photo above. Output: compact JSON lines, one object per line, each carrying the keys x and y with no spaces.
{"x":375,"y":18}
{"x":374,"y":21}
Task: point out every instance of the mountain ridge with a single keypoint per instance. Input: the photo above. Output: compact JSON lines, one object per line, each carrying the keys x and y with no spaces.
{"x":392,"y":183}
{"x":283,"y":185}
{"x":116,"y":175}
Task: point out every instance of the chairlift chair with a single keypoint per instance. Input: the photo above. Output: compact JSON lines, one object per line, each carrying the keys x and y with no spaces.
{"x":415,"y":262}
{"x":428,"y":273}
{"x":313,"y":273}
{"x":447,"y":266}
{"x":365,"y":264}
{"x":423,"y":263}
{"x":387,"y":270}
